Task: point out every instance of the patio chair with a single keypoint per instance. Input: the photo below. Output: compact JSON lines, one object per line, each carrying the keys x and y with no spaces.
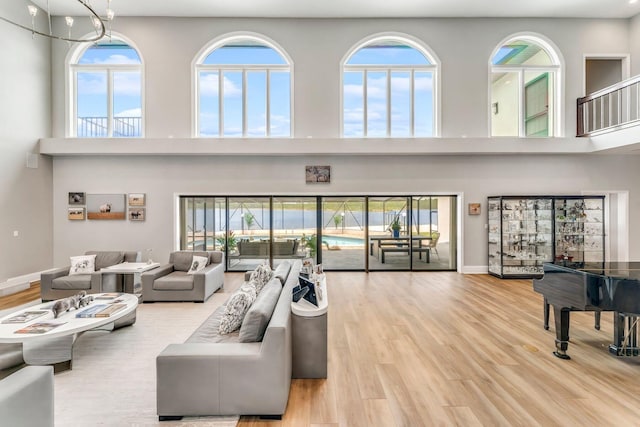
{"x":434,"y":242}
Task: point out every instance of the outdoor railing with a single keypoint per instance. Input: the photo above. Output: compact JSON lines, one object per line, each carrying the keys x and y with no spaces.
{"x":92,"y":127}
{"x":612,"y":108}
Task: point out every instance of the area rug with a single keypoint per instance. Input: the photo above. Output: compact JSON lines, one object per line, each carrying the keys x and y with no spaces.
{"x":113,"y":380}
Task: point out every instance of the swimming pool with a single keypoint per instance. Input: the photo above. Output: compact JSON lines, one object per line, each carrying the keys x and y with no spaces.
{"x":342,"y":241}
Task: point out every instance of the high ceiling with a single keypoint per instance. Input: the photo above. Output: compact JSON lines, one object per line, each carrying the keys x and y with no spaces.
{"x":356,"y":8}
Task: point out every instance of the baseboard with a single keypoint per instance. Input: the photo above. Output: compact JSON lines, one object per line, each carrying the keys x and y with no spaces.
{"x":17,"y":284}
{"x":475,"y":269}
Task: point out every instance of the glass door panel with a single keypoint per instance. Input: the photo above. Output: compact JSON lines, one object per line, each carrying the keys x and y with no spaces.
{"x":202,"y":223}
{"x":433,"y":231}
{"x":250,"y":227}
{"x":295,"y":223}
{"x":342,"y":233}
{"x":389,"y":245}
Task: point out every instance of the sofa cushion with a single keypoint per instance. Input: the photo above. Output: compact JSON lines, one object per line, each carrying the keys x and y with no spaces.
{"x":177,"y":280}
{"x":85,"y":264}
{"x":182,"y":260}
{"x":261,"y":275}
{"x":198,"y":263}
{"x":257,"y":318}
{"x":236,"y":308}
{"x":282,"y":271}
{"x":208,"y":331}
{"x":78,"y":281}
{"x":107,"y":259}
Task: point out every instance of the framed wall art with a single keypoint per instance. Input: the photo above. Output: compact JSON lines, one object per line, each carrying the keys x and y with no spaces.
{"x":137,"y":214}
{"x":137,"y":199}
{"x":317,"y":174}
{"x":474,"y":208}
{"x":106,"y":206}
{"x":76,"y":214}
{"x":76,"y":198}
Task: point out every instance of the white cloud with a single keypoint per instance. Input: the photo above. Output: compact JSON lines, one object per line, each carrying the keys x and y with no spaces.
{"x":116,"y":59}
{"x":209,"y":86}
{"x":127,"y":84}
{"x":95,"y":83}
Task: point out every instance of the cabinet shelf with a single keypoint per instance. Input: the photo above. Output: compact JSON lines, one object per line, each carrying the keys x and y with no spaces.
{"x":532,"y":230}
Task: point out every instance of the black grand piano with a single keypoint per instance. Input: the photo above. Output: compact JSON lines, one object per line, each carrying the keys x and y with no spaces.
{"x":596,"y":286}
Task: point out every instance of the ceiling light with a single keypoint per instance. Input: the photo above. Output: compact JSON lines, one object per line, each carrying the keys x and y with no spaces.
{"x":97,"y":21}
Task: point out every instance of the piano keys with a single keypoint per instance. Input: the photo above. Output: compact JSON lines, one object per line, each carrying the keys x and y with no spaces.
{"x":579,"y":286}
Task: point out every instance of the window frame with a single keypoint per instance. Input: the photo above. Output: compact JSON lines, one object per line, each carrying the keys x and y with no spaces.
{"x":198,"y":67}
{"x":433,"y":68}
{"x":73,"y":67}
{"x":555,"y":75}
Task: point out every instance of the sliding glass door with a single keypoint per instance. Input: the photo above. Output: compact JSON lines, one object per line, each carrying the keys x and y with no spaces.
{"x":343,"y":233}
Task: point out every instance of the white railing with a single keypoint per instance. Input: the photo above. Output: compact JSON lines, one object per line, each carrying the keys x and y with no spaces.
{"x":612,"y":108}
{"x":96,"y":127}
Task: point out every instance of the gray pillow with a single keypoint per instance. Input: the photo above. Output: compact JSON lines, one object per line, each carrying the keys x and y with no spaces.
{"x":257,"y":318}
{"x":107,"y":258}
{"x":236,"y":308}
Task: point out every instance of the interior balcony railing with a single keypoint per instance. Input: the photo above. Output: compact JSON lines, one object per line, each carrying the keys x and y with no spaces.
{"x":97,"y":127}
{"x":612,"y":108}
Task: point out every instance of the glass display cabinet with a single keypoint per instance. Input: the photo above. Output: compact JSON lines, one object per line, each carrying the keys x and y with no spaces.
{"x":520,"y":235}
{"x":527,"y":231}
{"x":579,"y":229}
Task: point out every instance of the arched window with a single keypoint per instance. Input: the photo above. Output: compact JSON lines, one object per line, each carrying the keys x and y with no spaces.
{"x":525,"y":88}
{"x":243,"y":89}
{"x":106,"y":90}
{"x":389,"y":89}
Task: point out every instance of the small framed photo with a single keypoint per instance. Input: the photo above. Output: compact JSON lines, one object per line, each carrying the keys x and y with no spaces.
{"x":474,"y":208}
{"x":317,"y":174}
{"x":76,"y":198}
{"x":137,"y":214}
{"x":137,"y":199}
{"x":76,"y":214}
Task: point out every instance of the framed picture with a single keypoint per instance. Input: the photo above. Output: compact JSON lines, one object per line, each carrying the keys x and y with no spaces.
{"x":106,"y":206}
{"x":137,"y":214}
{"x":75,"y":214}
{"x":76,"y":198}
{"x":137,"y":199}
{"x":315,"y":174}
{"x":474,"y":208}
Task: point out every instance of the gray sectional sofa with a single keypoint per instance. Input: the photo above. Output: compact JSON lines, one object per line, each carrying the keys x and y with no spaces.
{"x":26,"y":397}
{"x":212,"y":374}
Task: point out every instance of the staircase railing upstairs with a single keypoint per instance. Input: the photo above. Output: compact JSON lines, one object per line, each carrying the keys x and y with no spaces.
{"x":612,"y":108}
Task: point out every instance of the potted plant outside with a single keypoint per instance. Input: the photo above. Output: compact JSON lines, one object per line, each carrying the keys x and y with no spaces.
{"x":395,"y":227}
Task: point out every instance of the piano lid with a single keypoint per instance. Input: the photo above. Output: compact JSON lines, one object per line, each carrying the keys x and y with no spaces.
{"x":614,"y":270}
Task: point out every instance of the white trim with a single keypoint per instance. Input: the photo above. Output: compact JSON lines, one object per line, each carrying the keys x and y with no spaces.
{"x":19,"y":283}
{"x":415,"y":43}
{"x":197,"y":66}
{"x":71,"y":69}
{"x":625,"y":60}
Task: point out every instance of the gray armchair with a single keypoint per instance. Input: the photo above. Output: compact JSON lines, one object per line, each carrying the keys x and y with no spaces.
{"x":26,"y":397}
{"x":170,"y":282}
{"x":56,"y":283}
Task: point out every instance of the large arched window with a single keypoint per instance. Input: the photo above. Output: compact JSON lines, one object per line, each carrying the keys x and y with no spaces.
{"x":389,"y":89}
{"x":525,"y":88}
{"x":106,"y":90}
{"x":243,"y":89}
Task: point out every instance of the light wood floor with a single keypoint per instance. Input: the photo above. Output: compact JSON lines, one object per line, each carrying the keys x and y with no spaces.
{"x":431,"y":349}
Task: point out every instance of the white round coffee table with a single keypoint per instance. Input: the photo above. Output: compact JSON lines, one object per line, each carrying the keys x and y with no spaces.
{"x":50,"y":341}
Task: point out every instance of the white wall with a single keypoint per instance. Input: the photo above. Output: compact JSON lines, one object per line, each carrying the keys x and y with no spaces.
{"x":25,"y":116}
{"x":168,"y":46}
{"x":162,"y":177}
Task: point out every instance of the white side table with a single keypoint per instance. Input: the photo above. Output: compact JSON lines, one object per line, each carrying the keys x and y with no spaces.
{"x":134,"y":268}
{"x":309,"y":335}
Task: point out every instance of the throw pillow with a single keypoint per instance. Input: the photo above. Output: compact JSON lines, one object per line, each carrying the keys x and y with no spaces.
{"x":236,"y":308}
{"x":262,"y":274}
{"x":85,"y":264}
{"x":259,"y":314}
{"x":197,"y":264}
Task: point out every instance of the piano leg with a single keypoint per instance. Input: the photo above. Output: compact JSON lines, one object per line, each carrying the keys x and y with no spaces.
{"x":546,"y":315}
{"x":561,"y":319}
{"x":597,"y":320}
